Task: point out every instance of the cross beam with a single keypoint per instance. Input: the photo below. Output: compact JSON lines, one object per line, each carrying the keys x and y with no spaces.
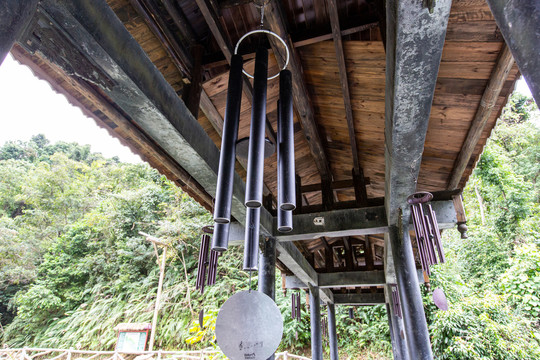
{"x":359,"y":299}
{"x":345,"y":279}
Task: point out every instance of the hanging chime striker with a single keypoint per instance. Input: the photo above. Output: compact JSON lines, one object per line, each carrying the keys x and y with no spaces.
{"x":224,"y":188}
{"x":255,"y":166}
{"x":285,"y":152}
{"x":251,"y":239}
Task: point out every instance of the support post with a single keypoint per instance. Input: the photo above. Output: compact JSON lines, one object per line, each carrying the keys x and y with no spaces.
{"x":267,"y":271}
{"x":414,"y":319}
{"x":397,"y":335}
{"x":267,"y":268}
{"x":15,"y":16}
{"x":519,"y":21}
{"x":158,"y":298}
{"x":315,"y":312}
{"x":332,"y":334}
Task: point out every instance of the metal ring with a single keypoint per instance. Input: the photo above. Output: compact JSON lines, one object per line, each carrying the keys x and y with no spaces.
{"x":265,"y":32}
{"x":419,"y":197}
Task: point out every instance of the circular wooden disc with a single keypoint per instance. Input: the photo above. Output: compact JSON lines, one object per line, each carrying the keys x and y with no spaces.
{"x":249,"y":326}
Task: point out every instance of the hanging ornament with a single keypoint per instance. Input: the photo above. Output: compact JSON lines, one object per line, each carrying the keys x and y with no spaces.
{"x":396,"y":305}
{"x":428,"y":236}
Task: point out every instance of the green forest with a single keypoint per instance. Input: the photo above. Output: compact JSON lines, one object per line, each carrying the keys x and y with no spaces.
{"x":73,"y":265}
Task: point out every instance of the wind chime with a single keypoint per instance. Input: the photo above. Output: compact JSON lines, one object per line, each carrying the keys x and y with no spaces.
{"x":256,"y":151}
{"x":207,"y":264}
{"x":249,"y":324}
{"x":396,"y":305}
{"x":428,"y":236}
{"x":296,"y":306}
{"x":428,"y":240}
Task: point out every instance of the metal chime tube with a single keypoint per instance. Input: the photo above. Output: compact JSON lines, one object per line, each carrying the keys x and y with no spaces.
{"x":255,"y":166}
{"x":220,"y":238}
{"x":251,"y":240}
{"x":227,"y":156}
{"x":332,"y":333}
{"x":284,"y":220}
{"x":285,"y":148}
{"x":437,"y":232}
{"x":419,"y":242}
{"x":293,"y":306}
{"x":203,"y":263}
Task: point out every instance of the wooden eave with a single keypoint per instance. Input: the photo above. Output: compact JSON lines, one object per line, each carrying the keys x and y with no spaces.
{"x":471,"y":50}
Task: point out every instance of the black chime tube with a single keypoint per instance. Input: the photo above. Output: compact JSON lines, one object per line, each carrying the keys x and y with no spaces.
{"x":220,"y":238}
{"x":255,"y":166}
{"x":227,"y":156}
{"x":285,"y":148}
{"x":284,"y":220}
{"x":293,"y":306}
{"x":251,"y":240}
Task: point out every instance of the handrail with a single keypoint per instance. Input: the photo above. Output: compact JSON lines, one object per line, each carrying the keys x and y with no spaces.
{"x":76,"y":354}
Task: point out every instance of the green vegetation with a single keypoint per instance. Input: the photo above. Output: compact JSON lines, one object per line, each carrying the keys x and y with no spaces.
{"x":72,"y":264}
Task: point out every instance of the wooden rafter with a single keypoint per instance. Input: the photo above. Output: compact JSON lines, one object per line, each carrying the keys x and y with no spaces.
{"x":487,"y":104}
{"x":273,"y":20}
{"x":340,"y":56}
{"x":226,"y":48}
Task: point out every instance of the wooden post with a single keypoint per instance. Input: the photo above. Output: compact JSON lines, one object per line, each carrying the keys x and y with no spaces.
{"x":158,"y":297}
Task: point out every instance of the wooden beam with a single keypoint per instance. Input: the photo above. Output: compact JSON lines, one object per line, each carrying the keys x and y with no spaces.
{"x":15,"y":16}
{"x":483,"y":113}
{"x":354,"y":222}
{"x":519,"y":22}
{"x":345,"y":279}
{"x":226,"y":47}
{"x":180,"y":20}
{"x":98,"y":37}
{"x":325,"y":37}
{"x":293,"y":259}
{"x":340,"y":57}
{"x":359,"y":299}
{"x":274,"y":21}
{"x":181,"y":57}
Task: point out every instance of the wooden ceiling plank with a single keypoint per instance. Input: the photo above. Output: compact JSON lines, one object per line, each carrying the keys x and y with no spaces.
{"x":275,"y":22}
{"x":483,"y":114}
{"x":359,"y":299}
{"x":340,"y":56}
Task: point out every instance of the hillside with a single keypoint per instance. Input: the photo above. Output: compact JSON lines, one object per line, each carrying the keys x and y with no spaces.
{"x":72,"y":264}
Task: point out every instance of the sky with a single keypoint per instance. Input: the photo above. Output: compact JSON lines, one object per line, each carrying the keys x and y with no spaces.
{"x":29,"y":107}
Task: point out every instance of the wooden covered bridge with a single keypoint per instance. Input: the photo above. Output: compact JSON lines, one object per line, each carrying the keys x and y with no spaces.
{"x":390,"y":97}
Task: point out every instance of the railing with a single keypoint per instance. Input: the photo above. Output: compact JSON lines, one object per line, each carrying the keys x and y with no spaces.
{"x":72,"y":354}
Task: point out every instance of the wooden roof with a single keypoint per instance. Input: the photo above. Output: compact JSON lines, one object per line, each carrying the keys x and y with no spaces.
{"x":167,"y":30}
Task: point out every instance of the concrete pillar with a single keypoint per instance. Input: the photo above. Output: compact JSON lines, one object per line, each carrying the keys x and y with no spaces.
{"x":414,"y":318}
{"x":332,"y":334}
{"x":267,"y":270}
{"x":315,"y":312}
